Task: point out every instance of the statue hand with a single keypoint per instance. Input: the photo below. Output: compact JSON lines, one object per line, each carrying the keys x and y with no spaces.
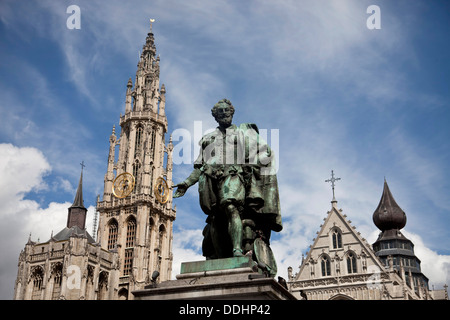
{"x":181,"y":190}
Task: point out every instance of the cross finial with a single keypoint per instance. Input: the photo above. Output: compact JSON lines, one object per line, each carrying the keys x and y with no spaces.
{"x":82,"y":165}
{"x":332,"y":180}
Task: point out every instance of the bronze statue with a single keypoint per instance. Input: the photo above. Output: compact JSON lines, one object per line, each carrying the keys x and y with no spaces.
{"x":238,"y":190}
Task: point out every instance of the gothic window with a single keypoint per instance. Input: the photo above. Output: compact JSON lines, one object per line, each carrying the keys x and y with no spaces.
{"x":131,"y":233}
{"x":90,"y":282}
{"x":153,"y":141}
{"x":102,"y":285}
{"x":123,"y":294}
{"x":162,"y":233}
{"x":129,"y":244}
{"x":38,"y":277}
{"x":135,"y":169}
{"x":128,"y":261}
{"x":351,"y":263}
{"x":138,"y":140}
{"x":112,"y":234}
{"x":326,"y":266}
{"x":90,"y":273}
{"x":337,"y":238}
{"x":151,"y":225}
{"x":57,"y":277}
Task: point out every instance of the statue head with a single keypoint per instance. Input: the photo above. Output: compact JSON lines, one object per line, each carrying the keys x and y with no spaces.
{"x":223,"y":112}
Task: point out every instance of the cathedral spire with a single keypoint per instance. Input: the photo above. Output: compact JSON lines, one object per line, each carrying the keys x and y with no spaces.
{"x":144,"y":155}
{"x":78,"y":201}
{"x":77,"y":211}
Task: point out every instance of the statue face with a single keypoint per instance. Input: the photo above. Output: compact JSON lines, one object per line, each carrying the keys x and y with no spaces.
{"x":224,"y":116}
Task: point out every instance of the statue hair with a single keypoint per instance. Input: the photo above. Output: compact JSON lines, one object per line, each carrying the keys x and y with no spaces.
{"x":222,"y":102}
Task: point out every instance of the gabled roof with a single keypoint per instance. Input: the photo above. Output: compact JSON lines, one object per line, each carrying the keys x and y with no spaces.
{"x":345,"y":226}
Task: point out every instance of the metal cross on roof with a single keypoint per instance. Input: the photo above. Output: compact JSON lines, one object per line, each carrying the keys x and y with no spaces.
{"x":82,"y":165}
{"x":332,"y":180}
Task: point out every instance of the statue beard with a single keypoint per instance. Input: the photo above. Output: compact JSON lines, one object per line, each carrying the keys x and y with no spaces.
{"x":224,"y":121}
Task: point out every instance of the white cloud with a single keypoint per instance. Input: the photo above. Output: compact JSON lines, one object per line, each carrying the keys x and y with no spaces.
{"x":23,"y":170}
{"x":433,"y":265}
{"x":186,"y":247}
{"x":63,"y":184}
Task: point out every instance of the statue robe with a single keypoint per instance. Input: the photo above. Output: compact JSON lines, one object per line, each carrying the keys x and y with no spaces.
{"x":238,"y":167}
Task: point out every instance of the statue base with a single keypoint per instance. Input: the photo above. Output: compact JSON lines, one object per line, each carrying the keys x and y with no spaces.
{"x":236,"y":278}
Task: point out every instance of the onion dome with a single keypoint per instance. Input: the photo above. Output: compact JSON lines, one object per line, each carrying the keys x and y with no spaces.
{"x":388,"y":215}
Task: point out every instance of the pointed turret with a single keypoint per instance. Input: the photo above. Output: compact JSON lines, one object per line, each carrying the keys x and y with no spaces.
{"x":78,"y":202}
{"x":128,"y":99}
{"x":77,"y":212}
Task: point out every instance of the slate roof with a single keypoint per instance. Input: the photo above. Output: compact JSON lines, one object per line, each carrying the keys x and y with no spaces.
{"x":75,"y":231}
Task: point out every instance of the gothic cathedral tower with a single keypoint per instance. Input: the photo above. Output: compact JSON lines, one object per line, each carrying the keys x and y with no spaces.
{"x":139,"y":224}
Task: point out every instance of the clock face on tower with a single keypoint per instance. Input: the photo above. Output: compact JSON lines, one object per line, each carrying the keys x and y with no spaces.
{"x":162,"y":190}
{"x":123,"y":185}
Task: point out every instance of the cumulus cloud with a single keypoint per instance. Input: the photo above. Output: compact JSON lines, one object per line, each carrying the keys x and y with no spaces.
{"x":24,"y":170}
{"x":186,"y":247}
{"x":435,"y":266}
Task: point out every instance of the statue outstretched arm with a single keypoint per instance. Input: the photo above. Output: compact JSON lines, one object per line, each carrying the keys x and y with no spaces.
{"x":190,"y":181}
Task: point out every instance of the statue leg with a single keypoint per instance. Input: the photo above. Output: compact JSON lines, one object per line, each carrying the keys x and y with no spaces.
{"x":220,"y":238}
{"x":235,"y":229}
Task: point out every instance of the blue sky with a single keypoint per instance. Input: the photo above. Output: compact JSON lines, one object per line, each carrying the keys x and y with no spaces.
{"x":367,"y":104}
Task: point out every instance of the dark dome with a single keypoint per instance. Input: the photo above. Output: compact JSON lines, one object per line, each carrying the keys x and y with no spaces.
{"x":388,"y":215}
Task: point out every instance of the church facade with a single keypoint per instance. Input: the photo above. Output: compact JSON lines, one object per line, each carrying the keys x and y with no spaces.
{"x":342,"y":265}
{"x":134,"y":236}
{"x":70,"y":265}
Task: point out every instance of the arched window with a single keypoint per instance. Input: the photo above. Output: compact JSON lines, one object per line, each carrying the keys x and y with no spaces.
{"x":136,"y":166}
{"x":351,"y":263}
{"x":102,"y":285}
{"x":38,"y":277}
{"x":57,"y":277}
{"x":161,"y":235}
{"x":128,"y":261}
{"x":151,"y":227}
{"x":326,"y":266}
{"x":90,"y":282}
{"x":336,"y":238}
{"x":136,"y":175}
{"x":131,"y":233}
{"x":123,"y":294}
{"x":138,"y":140}
{"x":112,"y":234}
{"x":129,"y":244}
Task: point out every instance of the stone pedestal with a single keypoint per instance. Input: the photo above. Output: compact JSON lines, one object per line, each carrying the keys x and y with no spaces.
{"x":235,"y":278}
